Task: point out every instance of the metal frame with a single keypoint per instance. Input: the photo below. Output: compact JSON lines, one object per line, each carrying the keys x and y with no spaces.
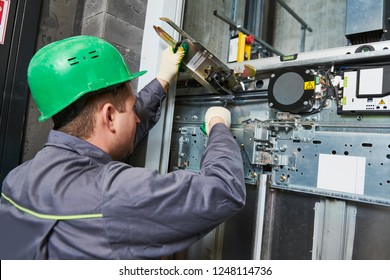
{"x":334,"y":230}
{"x":159,"y":139}
{"x":15,"y":55}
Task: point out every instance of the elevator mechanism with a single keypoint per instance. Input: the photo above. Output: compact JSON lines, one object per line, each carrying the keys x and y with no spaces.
{"x":292,"y":121}
{"x":314,"y":135}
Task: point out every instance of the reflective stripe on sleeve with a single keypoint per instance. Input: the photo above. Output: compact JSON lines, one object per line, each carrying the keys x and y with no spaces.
{"x":51,"y":217}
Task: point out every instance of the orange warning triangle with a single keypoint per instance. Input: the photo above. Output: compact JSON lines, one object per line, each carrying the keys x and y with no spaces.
{"x":382,"y":102}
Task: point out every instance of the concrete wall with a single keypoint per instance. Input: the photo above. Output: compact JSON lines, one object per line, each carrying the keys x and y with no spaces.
{"x":213,"y":33}
{"x":326,"y":18}
{"x":119,"y":22}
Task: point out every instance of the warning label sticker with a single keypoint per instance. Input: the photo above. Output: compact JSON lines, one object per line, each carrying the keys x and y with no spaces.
{"x":309,"y":85}
{"x":4,"y":9}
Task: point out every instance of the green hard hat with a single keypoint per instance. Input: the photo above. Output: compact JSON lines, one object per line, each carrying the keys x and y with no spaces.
{"x":62,"y":72}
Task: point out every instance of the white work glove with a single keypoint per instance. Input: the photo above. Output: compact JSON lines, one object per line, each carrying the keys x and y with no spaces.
{"x":169,"y":64}
{"x":217,"y":111}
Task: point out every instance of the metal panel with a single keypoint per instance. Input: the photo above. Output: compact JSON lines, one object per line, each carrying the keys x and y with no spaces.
{"x":334,"y":230}
{"x":372,"y":241}
{"x":240,"y":229}
{"x":289,"y":226}
{"x":260,"y":216}
{"x":303,"y":174}
{"x":364,"y":16}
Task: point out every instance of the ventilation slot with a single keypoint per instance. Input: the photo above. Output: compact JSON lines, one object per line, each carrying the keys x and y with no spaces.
{"x":73,"y":61}
{"x":93,"y":54}
{"x":367,"y":145}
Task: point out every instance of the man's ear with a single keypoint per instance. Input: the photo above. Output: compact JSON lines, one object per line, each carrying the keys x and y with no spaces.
{"x":108,"y":116}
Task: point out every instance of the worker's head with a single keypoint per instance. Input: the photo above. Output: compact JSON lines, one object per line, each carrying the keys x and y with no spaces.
{"x":107,"y":120}
{"x":71,"y":80}
{"x":64,"y":71}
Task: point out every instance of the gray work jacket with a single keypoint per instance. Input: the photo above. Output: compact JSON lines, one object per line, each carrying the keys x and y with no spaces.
{"x":72,"y":201}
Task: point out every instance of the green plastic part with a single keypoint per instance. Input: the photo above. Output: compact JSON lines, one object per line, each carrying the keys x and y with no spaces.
{"x":184,"y":45}
{"x":203,"y":128}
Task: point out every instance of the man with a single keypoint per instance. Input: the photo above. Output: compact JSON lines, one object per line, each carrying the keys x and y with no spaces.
{"x":76,"y":200}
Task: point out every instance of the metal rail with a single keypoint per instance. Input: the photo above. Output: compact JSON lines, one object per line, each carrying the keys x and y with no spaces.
{"x":237,"y":27}
{"x":304,"y":25}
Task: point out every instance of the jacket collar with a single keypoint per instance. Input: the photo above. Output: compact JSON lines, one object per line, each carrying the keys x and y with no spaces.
{"x":68,"y":142}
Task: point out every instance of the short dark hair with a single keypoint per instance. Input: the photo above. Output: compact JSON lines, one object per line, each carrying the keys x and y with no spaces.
{"x":78,"y":119}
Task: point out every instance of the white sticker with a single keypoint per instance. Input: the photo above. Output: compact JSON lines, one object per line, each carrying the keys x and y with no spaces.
{"x":370,"y":81}
{"x":341,"y":173}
